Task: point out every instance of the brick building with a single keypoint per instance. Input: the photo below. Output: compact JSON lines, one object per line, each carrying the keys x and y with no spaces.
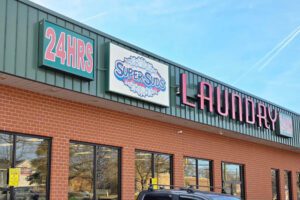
{"x":85,"y":115}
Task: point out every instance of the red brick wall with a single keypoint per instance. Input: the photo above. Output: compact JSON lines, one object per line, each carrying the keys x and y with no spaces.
{"x":30,"y":113}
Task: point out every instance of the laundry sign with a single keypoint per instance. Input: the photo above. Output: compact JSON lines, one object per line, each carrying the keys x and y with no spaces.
{"x":137,"y":76}
{"x":64,"y":50}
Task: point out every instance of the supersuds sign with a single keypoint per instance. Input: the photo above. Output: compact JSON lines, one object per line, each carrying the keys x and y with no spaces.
{"x":136,"y":76}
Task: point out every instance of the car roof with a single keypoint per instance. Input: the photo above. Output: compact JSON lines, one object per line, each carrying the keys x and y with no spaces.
{"x":188,"y":192}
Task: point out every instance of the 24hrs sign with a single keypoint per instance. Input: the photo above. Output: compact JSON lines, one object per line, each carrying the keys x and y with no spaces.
{"x":65,"y":50}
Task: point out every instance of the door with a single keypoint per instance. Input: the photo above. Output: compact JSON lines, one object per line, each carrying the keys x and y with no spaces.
{"x":31,"y":156}
{"x":6,"y":152}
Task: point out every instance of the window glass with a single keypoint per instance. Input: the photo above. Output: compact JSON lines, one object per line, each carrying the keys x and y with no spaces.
{"x":107,"y":173}
{"x":162,"y":169}
{"x":204,"y":175}
{"x":87,"y":160}
{"x":143,"y":170}
{"x":190,"y":171}
{"x":151,"y":165}
{"x":32,"y":158}
{"x":298,"y":186}
{"x":288,"y":185}
{"x":232,"y":179}
{"x":197,"y":172}
{"x":275,"y":184}
{"x":81,"y":172}
{"x":6,"y":149}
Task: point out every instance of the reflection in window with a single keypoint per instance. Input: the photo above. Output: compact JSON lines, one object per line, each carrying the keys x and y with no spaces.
{"x":6,"y":149}
{"x":89,"y":161}
{"x":143,"y":170}
{"x":32,"y":158}
{"x":151,"y":165}
{"x":275,"y":184}
{"x":81,"y":172}
{"x":298,"y":186}
{"x":162,"y":166}
{"x":288,"y":185}
{"x":233,"y":179}
{"x":198,"y":172}
{"x":107,"y":173}
{"x":190,"y":177}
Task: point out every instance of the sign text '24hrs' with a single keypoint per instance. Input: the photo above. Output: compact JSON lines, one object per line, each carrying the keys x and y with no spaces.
{"x":66,"y":51}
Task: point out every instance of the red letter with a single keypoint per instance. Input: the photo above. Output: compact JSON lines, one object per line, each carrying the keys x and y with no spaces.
{"x":247,"y":114}
{"x":272,"y":119}
{"x":262,"y":115}
{"x":225,"y":102}
{"x":233,"y":106}
{"x":60,"y":48}
{"x":89,"y":65}
{"x":80,"y":54}
{"x":50,"y":34}
{"x":208,"y":97}
{"x":183,"y":92}
{"x":71,"y":51}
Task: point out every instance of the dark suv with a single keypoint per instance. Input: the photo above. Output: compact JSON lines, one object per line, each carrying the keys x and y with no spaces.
{"x":182,"y":194}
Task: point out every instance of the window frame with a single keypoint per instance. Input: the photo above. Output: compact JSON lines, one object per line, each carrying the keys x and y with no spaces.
{"x":94,"y":145}
{"x":14,"y":153}
{"x":242,"y":177}
{"x":153,"y":164}
{"x":277,"y":172}
{"x":211,"y":174}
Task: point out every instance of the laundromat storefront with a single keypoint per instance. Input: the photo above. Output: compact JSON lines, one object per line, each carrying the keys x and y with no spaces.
{"x":85,"y":115}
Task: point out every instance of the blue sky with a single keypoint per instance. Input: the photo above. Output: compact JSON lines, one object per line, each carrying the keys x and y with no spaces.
{"x":252,"y":45}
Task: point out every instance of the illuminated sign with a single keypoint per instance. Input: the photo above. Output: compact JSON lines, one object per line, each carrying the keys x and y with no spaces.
{"x":228,"y":104}
{"x":136,"y":76}
{"x":64,"y":50}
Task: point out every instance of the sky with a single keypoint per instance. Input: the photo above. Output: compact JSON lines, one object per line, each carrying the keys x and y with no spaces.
{"x":252,"y":45}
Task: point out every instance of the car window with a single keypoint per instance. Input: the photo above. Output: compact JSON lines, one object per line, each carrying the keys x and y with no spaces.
{"x":157,"y":197}
{"x":190,"y":198}
{"x":217,"y":197}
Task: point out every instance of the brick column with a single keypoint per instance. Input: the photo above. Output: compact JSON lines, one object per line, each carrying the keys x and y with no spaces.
{"x":59,"y":168}
{"x":178,"y":174}
{"x":217,"y":175}
{"x":128,"y":173}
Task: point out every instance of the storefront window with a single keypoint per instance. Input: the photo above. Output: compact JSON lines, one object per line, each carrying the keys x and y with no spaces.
{"x":288,"y":185}
{"x":107,"y":173}
{"x":6,"y":152}
{"x":190,"y":177}
{"x":94,"y":172}
{"x":152,"y":165}
{"x":298,"y":186}
{"x":275,"y":184}
{"x":233,"y":179}
{"x":198,"y":173}
{"x":31,"y":156}
{"x":81,"y":172}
